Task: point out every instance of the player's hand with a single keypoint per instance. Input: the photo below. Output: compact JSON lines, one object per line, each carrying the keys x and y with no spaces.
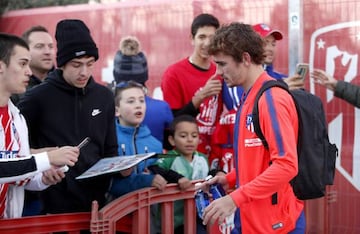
{"x":218,"y":179}
{"x":219,"y":209}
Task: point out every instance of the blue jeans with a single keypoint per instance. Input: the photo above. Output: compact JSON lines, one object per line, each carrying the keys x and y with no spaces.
{"x":237,"y":223}
{"x":300,"y":227}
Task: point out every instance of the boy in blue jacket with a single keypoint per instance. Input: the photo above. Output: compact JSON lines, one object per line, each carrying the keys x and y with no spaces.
{"x":135,"y":138}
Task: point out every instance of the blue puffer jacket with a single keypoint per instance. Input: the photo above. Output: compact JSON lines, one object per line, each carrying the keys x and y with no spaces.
{"x":158,"y":117}
{"x":134,"y":140}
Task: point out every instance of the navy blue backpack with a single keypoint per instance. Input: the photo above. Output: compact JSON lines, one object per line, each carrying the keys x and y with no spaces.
{"x":316,"y":155}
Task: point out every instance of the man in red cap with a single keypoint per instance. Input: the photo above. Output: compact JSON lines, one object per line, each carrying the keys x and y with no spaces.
{"x":270,"y":37}
{"x":264,"y":30}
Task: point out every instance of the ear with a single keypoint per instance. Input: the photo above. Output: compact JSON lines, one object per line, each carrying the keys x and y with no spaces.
{"x":191,"y":39}
{"x":171,"y":141}
{"x":2,"y":66}
{"x":117,"y":111}
{"x":246,"y":58}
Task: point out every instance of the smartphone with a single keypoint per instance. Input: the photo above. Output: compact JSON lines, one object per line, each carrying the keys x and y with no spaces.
{"x":302,"y":69}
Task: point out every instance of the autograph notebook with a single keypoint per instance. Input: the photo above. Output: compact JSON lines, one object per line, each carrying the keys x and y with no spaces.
{"x":114,"y":164}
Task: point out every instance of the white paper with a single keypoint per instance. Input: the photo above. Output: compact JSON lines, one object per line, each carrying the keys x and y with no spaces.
{"x":114,"y":164}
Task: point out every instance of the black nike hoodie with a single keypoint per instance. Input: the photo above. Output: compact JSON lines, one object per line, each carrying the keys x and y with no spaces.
{"x":59,"y":114}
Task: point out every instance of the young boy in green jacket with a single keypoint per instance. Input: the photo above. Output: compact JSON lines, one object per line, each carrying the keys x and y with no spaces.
{"x":184,"y":137}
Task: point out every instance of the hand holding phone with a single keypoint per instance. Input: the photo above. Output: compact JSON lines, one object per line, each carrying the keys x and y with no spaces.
{"x":302,"y":69}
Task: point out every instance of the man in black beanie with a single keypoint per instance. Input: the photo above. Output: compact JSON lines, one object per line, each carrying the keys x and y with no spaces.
{"x":68,"y":107}
{"x":73,"y":40}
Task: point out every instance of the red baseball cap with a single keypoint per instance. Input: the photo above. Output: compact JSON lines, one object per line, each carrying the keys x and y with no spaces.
{"x":264,"y":30}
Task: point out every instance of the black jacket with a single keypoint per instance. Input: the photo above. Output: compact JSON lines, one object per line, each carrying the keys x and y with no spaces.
{"x":59,"y":114}
{"x":34,"y":81}
{"x":349,"y":92}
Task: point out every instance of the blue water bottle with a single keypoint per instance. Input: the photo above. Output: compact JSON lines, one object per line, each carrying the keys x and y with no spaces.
{"x":216,"y":190}
{"x":201,"y":200}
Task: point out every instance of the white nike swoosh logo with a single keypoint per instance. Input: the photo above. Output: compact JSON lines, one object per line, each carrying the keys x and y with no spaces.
{"x":95,"y":112}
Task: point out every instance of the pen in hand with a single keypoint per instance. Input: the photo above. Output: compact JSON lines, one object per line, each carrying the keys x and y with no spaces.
{"x":84,"y":142}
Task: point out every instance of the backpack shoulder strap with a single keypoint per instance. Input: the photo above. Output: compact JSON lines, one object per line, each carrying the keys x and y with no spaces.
{"x":255,"y":112}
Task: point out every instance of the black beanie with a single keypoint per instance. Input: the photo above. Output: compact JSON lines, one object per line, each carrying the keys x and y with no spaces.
{"x":73,"y":40}
{"x":129,"y":63}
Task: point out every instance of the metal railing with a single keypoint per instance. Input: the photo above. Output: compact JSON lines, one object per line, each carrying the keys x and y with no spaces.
{"x":129,"y":214}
